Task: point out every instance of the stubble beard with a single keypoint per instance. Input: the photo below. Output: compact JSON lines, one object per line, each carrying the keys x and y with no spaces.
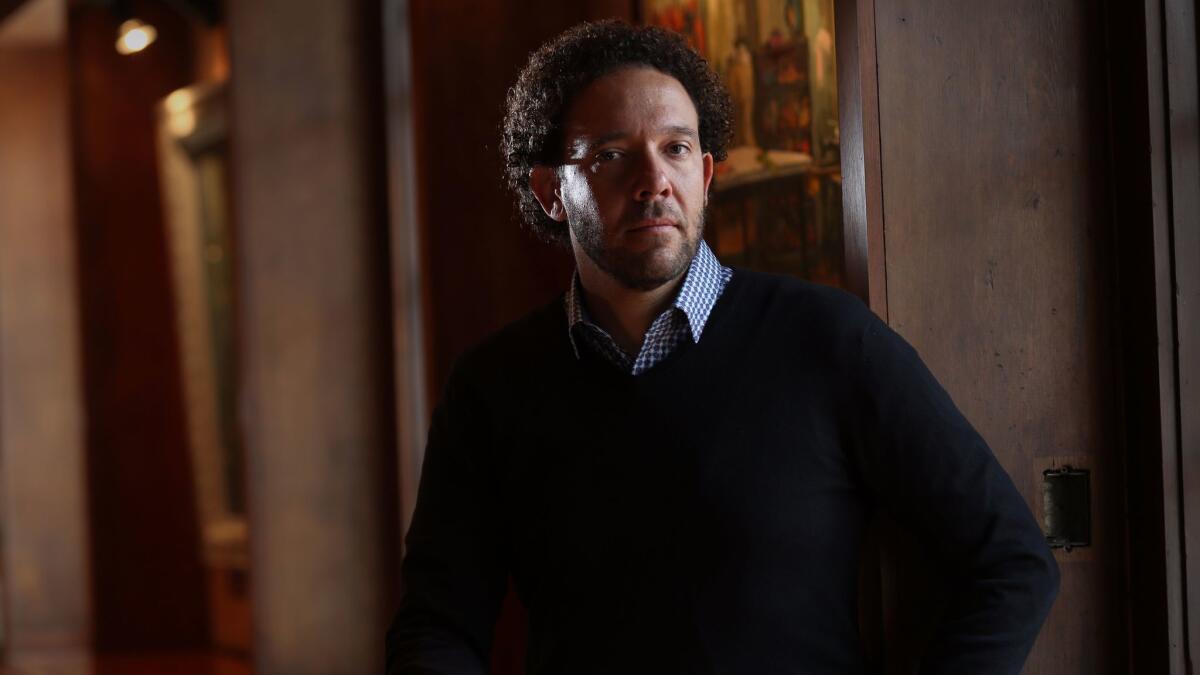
{"x":645,"y":270}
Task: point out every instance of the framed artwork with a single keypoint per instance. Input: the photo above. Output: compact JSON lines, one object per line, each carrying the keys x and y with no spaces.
{"x":776,"y":202}
{"x":193,"y":159}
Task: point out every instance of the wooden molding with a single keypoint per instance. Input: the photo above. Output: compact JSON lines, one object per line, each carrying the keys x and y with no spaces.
{"x":862,"y":180}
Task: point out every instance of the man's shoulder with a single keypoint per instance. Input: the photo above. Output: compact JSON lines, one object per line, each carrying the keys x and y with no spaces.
{"x":809,"y":306}
{"x":527,"y":344}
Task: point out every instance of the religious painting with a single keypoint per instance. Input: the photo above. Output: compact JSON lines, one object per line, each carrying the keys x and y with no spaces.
{"x":681,"y":16}
{"x":776,"y":202}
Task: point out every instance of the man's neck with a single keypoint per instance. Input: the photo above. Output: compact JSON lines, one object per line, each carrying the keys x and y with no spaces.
{"x":625,"y":313}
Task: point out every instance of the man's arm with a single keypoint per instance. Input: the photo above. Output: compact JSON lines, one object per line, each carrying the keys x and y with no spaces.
{"x":933,"y":471}
{"x":453,"y":572}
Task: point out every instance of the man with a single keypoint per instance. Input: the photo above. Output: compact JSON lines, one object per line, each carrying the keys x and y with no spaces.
{"x":674,"y":462}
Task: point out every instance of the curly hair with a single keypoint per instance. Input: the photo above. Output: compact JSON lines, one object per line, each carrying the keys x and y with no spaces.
{"x":531,"y":133}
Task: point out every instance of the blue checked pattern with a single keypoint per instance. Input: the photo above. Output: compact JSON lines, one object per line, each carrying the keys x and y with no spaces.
{"x":703,"y":283}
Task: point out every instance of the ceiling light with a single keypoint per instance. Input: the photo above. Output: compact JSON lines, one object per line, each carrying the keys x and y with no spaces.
{"x":135,"y":35}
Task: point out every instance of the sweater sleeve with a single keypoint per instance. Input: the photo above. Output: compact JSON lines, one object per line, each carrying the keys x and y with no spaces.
{"x":931,"y":470}
{"x":453,"y":574}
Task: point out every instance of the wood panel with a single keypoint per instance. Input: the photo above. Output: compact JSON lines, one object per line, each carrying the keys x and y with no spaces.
{"x":149,"y":584}
{"x":994,"y":162}
{"x":44,"y":523}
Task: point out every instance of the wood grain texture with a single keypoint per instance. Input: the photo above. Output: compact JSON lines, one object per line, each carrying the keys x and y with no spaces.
{"x":994,"y":163}
{"x":47,"y":599}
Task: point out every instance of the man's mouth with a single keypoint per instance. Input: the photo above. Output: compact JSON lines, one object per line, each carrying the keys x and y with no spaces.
{"x":652,"y":225}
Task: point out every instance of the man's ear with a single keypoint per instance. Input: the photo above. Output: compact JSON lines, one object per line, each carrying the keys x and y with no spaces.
{"x":709,"y":170}
{"x":543,"y":180}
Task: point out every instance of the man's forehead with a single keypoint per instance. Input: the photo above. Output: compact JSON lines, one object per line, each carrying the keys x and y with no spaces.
{"x":600,"y":133}
{"x":628,"y":101}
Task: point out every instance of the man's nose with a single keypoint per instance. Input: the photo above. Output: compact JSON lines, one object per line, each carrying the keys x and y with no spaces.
{"x":651,"y":180}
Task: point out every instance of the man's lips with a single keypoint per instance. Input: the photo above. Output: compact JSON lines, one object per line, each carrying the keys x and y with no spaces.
{"x":652,"y":225}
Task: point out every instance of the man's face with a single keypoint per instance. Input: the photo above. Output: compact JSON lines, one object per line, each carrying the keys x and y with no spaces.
{"x":635,"y":181}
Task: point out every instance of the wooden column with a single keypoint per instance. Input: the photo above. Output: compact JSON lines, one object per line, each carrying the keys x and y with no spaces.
{"x":314,"y":315}
{"x":42,"y":513}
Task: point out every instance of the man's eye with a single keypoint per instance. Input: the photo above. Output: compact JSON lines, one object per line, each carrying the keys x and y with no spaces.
{"x":608,"y":155}
{"x":679,"y":148}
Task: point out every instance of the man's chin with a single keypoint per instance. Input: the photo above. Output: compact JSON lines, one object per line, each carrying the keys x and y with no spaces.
{"x":645,"y":284}
{"x":650,"y":272}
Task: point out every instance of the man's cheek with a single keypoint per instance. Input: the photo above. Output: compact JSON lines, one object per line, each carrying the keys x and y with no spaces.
{"x":575,"y":191}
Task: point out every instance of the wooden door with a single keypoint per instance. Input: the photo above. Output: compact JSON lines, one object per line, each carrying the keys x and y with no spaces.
{"x":1001,"y":215}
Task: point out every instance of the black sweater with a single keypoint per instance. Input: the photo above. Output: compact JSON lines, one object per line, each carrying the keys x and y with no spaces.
{"x":706,"y":516}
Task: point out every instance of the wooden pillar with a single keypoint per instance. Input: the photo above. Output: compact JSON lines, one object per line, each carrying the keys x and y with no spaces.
{"x":311,"y":232}
{"x":42,"y":485}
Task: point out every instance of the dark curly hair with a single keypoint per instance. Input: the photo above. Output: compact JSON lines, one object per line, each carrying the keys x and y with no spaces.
{"x":560,"y":69}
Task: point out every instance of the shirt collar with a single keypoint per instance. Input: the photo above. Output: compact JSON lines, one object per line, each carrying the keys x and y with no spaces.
{"x":702,"y":285}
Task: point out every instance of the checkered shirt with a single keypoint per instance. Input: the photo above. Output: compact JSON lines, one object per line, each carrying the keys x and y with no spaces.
{"x":702,"y":285}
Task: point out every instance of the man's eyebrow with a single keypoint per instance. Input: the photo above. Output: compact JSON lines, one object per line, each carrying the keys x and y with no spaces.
{"x":683,"y":131}
{"x":587,"y":145}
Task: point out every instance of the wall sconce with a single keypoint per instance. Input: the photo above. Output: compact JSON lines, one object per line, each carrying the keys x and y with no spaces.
{"x":135,"y":35}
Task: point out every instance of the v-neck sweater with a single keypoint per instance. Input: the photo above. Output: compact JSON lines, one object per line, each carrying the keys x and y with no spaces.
{"x":685,"y":319}
{"x":706,"y":516}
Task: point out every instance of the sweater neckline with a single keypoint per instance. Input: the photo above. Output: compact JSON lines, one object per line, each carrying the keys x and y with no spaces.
{"x":714,"y":331}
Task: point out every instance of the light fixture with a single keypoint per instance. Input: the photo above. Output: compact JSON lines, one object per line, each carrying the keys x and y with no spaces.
{"x":135,"y":35}
{"x":181,"y":115}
